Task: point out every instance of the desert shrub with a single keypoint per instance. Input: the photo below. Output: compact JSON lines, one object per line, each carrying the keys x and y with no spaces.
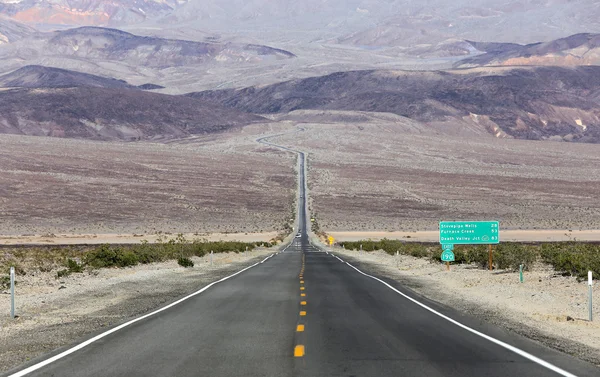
{"x":460,"y":256}
{"x":149,"y":254}
{"x":5,"y":282}
{"x":73,"y":266}
{"x":572,"y":258}
{"x":63,"y":273}
{"x":107,"y":256}
{"x":477,"y":254}
{"x":5,"y":267}
{"x":419,"y":250}
{"x":103,"y":256}
{"x":126,"y":258}
{"x":508,"y":256}
{"x":414,"y":249}
{"x":185,"y":262}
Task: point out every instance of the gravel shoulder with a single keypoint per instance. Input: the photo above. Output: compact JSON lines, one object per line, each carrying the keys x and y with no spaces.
{"x":547,"y":307}
{"x":96,"y":239}
{"x":56,"y":312}
{"x":511,"y":235}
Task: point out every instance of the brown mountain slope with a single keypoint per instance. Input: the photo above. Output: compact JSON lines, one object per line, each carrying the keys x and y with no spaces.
{"x":112,"y":44}
{"x":528,"y":103}
{"x":578,"y":49}
{"x":11,"y":31}
{"x":112,"y":114}
{"x":36,"y":76}
{"x":82,"y":12}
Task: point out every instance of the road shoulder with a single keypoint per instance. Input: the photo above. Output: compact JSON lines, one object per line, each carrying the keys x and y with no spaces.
{"x":490,"y":300}
{"x":54,"y":313}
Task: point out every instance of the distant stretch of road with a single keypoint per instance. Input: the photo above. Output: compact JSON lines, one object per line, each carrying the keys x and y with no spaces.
{"x":306,"y":312}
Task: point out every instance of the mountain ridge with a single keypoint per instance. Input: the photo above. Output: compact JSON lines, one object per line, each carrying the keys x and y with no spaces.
{"x":537,"y":103}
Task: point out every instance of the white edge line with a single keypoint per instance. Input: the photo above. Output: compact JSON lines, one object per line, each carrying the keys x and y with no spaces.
{"x":514,"y":349}
{"x":339,"y":258}
{"x":42,"y":364}
{"x":264,"y":260}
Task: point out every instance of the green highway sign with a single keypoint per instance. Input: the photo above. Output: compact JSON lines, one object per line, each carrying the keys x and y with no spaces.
{"x":448,"y":246}
{"x":469,"y":232}
{"x":447,"y":256}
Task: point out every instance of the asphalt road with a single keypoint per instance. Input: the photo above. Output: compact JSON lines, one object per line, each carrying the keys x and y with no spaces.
{"x":306,"y":312}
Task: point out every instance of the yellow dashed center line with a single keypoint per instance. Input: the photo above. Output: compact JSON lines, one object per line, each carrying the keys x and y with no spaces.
{"x":299,"y":351}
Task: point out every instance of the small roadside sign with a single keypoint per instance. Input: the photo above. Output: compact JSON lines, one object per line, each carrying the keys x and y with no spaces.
{"x":331,"y":240}
{"x":448,"y":246}
{"x":447,"y":256}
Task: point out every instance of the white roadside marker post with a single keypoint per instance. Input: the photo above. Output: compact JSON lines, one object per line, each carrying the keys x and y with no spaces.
{"x":12,"y":292}
{"x":590,"y":282}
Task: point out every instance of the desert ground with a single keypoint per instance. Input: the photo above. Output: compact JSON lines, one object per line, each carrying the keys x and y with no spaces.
{"x":97,"y":239}
{"x":539,"y":235}
{"x":381,"y":172}
{"x":367,"y":172}
{"x":214,"y":184}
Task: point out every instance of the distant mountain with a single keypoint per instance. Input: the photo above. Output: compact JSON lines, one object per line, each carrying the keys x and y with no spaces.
{"x":529,"y":103}
{"x":112,"y":114}
{"x":578,"y":49}
{"x":150,"y":87}
{"x":113,"y":44}
{"x":35,"y":76}
{"x":83,"y":12}
{"x":11,"y":31}
{"x":101,"y":44}
{"x":413,"y":23}
{"x":388,"y":23}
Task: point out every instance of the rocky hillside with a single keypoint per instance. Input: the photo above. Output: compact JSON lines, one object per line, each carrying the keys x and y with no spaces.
{"x":36,"y":76}
{"x":82,"y":12}
{"x":112,"y":114}
{"x":527,"y":103}
{"x":578,"y":49}
{"x":112,"y":44}
{"x":11,"y":31}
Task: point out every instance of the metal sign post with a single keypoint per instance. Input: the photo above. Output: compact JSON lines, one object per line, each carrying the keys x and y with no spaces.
{"x":447,"y":255}
{"x":12,"y":292}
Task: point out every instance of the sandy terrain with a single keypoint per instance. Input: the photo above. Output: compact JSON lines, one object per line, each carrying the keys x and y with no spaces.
{"x":382,"y":172}
{"x":96,"y":239}
{"x":56,"y":312}
{"x":546,"y":307}
{"x":212,"y":184}
{"x":505,"y":235}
